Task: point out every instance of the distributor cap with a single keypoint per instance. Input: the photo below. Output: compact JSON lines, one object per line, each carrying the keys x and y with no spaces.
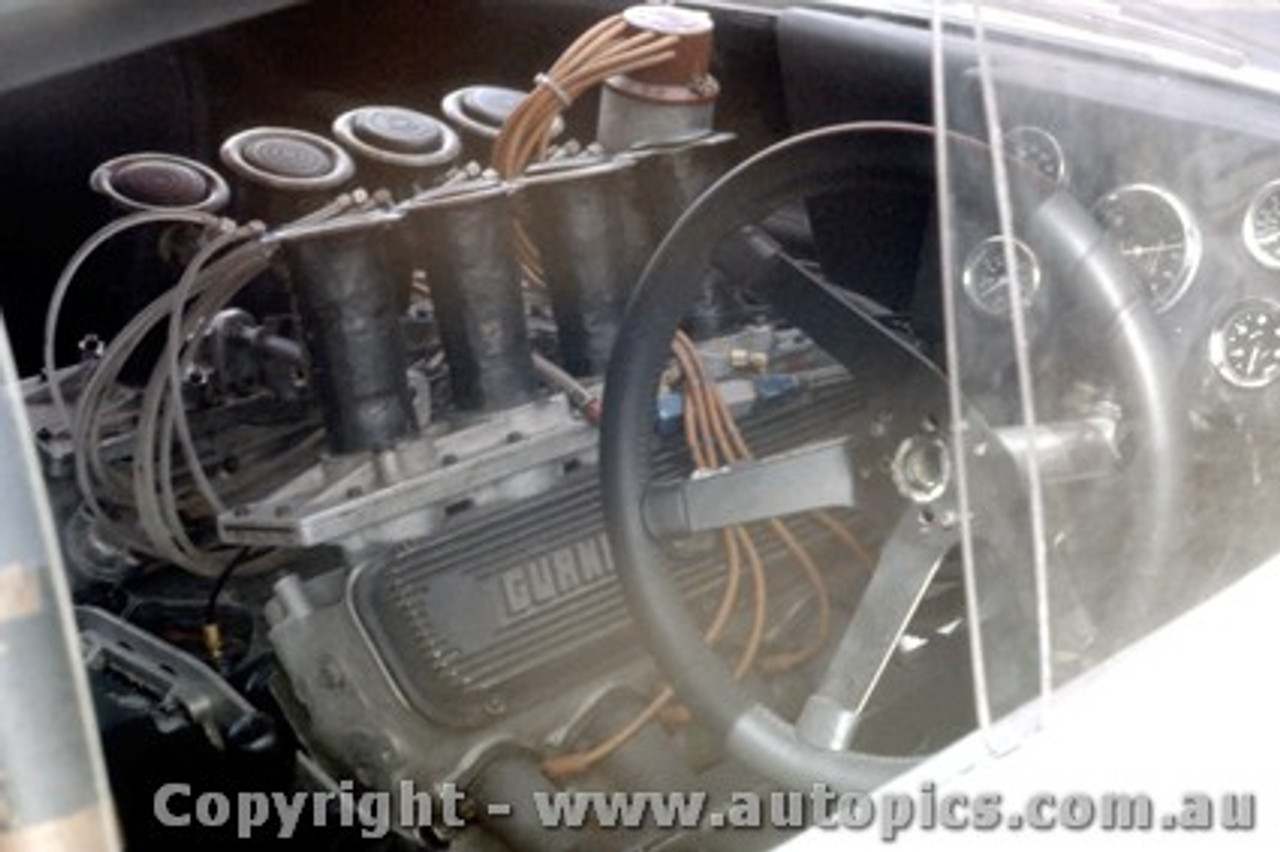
{"x":686,"y":77}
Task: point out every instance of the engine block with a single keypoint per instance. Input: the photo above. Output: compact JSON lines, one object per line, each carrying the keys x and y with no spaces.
{"x":505,"y":625}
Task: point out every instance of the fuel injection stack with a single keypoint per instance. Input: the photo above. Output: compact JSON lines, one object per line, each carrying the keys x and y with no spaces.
{"x":516,"y":246}
{"x":574,"y":221}
{"x":480,"y":218}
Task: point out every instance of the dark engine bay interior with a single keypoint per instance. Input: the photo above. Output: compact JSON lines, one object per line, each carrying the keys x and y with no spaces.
{"x":321,"y":413}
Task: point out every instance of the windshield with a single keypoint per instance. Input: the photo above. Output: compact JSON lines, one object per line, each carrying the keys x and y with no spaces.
{"x":1108,"y":240}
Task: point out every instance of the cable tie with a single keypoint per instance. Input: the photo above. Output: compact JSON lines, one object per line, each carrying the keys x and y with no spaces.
{"x":554,"y":86}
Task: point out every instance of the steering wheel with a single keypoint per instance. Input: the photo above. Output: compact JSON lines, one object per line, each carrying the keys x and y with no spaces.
{"x":639,"y":511}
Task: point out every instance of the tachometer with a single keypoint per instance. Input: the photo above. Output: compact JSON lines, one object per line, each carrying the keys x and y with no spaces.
{"x":1245,"y":346}
{"x":1157,"y":235}
{"x":1262,"y":225}
{"x":986,"y":275}
{"x":1037,"y":147}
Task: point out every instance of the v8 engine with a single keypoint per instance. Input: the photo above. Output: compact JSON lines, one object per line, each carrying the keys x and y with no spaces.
{"x":359,"y":409}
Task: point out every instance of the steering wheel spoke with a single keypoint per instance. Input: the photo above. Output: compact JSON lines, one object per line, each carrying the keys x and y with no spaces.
{"x":819,"y":475}
{"x":832,"y":317}
{"x":908,"y":564}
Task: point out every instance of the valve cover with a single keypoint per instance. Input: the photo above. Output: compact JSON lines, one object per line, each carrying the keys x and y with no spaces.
{"x":501,"y":610}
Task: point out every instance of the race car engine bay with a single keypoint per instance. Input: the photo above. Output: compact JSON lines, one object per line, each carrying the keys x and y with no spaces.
{"x":542,"y":427}
{"x":332,"y":486}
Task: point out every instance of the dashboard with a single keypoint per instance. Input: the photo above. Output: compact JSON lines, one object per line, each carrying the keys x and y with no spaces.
{"x":1189,"y":252}
{"x":1192,"y":208}
{"x":1178,"y":166}
{"x":1181,"y":172}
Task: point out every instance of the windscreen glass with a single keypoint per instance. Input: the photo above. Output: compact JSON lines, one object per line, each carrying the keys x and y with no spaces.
{"x":1109,"y":250}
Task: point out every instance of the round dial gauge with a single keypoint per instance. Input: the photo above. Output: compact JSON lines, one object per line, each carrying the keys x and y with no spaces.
{"x":1262,"y":225}
{"x":1156,"y":234}
{"x":1037,"y":148}
{"x":986,"y":275}
{"x":1245,"y":346}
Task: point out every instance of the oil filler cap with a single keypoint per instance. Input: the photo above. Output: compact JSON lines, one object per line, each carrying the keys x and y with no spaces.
{"x":154,"y":181}
{"x":397,"y":136}
{"x":288,"y":159}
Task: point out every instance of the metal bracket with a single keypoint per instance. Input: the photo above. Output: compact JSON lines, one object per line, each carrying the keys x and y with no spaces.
{"x":814,"y":476}
{"x":173,"y":677}
{"x":911,"y":559}
{"x":406,"y":491}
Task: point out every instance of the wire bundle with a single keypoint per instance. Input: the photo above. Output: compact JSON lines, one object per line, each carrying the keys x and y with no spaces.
{"x":163,"y":410}
{"x":713,"y":438}
{"x":139,"y":506}
{"x":106,"y":410}
{"x":603,"y":51}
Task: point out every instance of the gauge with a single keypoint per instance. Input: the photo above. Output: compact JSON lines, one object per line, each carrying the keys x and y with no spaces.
{"x":1245,"y":346}
{"x":1262,"y":225}
{"x":1037,"y":148}
{"x":1156,"y":234}
{"x":986,"y":275}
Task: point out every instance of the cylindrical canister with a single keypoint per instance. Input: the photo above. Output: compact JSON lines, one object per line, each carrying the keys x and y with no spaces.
{"x":671,"y":101}
{"x":464,"y":237}
{"x":349,"y":307}
{"x":347,"y":299}
{"x":575,"y":212}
